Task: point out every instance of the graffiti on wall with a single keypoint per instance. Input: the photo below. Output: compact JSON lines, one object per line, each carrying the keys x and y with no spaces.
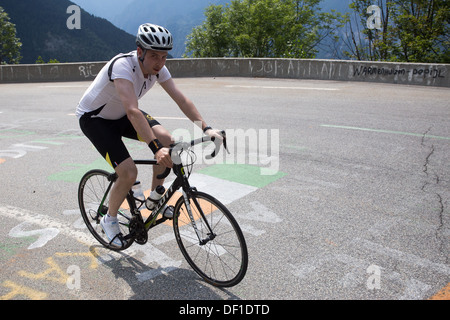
{"x":348,"y":71}
{"x":431,"y":72}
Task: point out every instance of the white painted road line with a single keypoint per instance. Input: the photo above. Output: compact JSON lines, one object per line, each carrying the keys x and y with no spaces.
{"x":46,"y":222}
{"x":225,"y":191}
{"x":288,"y":88}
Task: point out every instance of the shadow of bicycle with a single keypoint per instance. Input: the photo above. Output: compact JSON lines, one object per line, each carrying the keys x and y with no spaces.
{"x":157,"y":283}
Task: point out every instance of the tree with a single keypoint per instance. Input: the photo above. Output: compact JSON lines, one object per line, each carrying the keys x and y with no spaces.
{"x":9,"y":44}
{"x":212,"y":38}
{"x":40,"y":60}
{"x":411,"y":31}
{"x":422,"y":27}
{"x":262,"y":28}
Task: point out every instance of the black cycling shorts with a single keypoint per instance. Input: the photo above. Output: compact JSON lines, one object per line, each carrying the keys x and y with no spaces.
{"x":106,"y":136}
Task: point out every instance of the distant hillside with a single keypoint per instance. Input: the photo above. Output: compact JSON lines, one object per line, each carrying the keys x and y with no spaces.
{"x":41,"y":27}
{"x":179,"y":16}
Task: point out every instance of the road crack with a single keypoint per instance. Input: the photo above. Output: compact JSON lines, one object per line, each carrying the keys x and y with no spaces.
{"x":431,"y":187}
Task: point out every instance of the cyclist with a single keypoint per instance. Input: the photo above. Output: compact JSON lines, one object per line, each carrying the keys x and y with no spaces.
{"x":109,"y":110}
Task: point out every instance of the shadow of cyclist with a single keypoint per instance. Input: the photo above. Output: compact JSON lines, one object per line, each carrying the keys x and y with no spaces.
{"x":157,"y":283}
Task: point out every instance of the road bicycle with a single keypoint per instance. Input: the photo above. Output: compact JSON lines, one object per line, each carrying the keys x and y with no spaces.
{"x":207,"y":234}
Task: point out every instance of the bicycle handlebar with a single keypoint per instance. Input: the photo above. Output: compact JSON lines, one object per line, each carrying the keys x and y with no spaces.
{"x":180,"y":146}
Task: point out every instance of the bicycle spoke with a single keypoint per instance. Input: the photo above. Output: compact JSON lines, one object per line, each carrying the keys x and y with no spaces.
{"x":93,"y":198}
{"x":221,"y":256}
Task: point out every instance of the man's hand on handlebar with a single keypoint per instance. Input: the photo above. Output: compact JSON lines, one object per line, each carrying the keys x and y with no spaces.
{"x":215,"y":134}
{"x":163,"y":157}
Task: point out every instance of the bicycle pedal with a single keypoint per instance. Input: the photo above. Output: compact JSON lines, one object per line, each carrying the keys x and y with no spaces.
{"x":122,"y":240}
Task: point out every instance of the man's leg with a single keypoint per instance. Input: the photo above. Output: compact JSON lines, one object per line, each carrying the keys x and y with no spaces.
{"x":106,"y":136}
{"x":127,"y":174}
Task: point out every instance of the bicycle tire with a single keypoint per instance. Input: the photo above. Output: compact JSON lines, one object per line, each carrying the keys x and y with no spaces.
{"x":222,"y":261}
{"x":91,"y":190}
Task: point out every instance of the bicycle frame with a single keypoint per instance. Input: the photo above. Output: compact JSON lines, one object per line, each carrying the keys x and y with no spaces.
{"x":181,"y":181}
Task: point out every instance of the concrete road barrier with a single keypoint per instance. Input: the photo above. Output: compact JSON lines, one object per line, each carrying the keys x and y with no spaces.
{"x":340,"y":70}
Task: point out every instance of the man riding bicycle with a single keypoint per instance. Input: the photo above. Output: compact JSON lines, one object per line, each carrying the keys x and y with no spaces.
{"x":109,"y":110}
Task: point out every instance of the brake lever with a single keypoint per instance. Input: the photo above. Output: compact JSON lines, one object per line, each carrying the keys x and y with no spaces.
{"x":216,"y":149}
{"x":224,"y":135}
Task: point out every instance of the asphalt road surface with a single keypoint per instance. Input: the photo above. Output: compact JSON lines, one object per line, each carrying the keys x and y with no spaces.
{"x":342,"y":190}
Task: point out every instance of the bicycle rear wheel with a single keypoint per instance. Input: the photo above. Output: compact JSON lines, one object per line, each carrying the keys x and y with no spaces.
{"x":93,"y":199}
{"x":219,"y":257}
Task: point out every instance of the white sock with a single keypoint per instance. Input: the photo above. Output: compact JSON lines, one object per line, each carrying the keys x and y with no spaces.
{"x":110,"y":218}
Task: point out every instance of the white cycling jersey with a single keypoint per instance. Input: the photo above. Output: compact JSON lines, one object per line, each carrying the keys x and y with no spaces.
{"x":101,"y":98}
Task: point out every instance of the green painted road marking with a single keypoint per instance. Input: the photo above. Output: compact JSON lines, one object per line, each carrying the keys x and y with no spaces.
{"x":13,"y":133}
{"x":242,"y":173}
{"x":9,"y":247}
{"x":226,"y":191}
{"x":76,"y":174}
{"x":293,"y":147}
{"x":386,"y":131}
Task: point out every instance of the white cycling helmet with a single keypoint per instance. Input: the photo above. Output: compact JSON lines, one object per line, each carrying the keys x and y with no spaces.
{"x":151,"y":36}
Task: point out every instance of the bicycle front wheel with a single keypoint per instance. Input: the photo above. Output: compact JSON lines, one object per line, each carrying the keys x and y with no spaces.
{"x":210,"y":239}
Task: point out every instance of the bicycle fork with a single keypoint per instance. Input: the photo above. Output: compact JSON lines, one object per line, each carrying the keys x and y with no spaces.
{"x":210,"y":233}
